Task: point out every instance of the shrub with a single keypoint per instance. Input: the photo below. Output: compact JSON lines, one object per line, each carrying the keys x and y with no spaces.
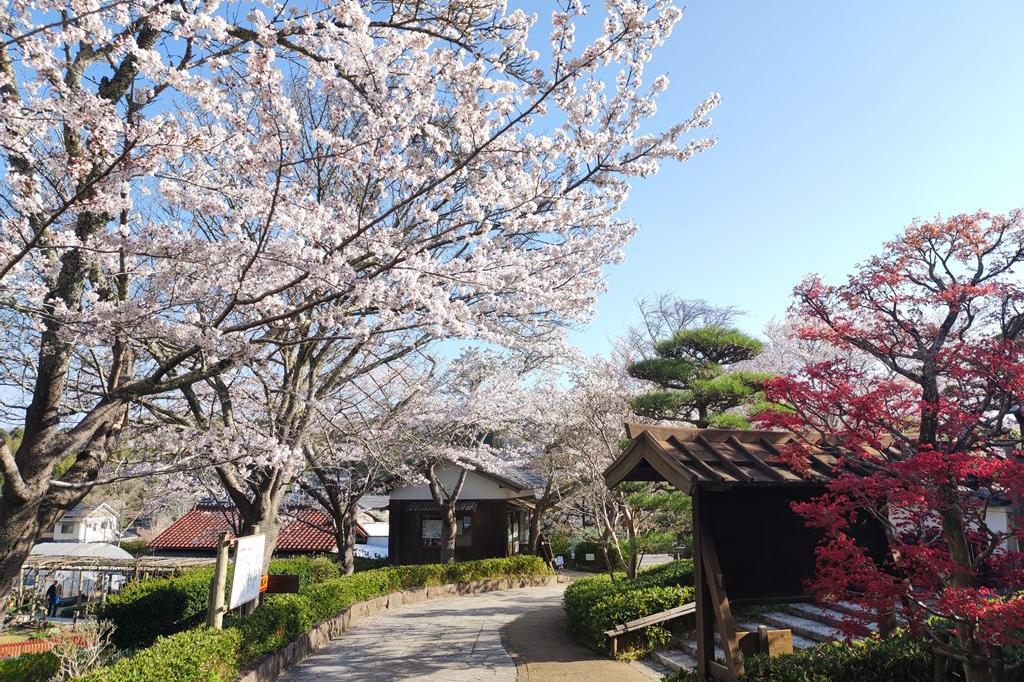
{"x":136,"y":548}
{"x":284,"y":617}
{"x":279,"y":620}
{"x":309,"y":569}
{"x":157,"y":607}
{"x":365,"y":563}
{"x":585,"y":547}
{"x":596,"y":604}
{"x":198,"y":655}
{"x":29,"y":668}
{"x":900,"y":658}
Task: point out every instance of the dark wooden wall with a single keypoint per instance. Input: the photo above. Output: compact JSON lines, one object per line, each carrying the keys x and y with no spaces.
{"x":765,"y":550}
{"x":488,"y":539}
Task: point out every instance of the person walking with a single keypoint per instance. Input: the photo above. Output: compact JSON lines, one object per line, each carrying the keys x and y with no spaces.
{"x":52,"y":597}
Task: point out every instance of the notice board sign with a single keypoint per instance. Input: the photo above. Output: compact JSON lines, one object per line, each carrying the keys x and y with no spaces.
{"x":245,"y":585}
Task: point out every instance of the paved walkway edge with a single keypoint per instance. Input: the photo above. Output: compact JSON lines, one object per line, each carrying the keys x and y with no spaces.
{"x":522,"y":669}
{"x":269,"y":667}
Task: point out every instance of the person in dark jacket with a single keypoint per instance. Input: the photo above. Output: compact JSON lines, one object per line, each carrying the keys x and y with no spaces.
{"x":52,"y":597}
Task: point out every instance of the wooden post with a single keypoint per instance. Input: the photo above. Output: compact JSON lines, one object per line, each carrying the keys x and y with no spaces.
{"x":78,"y":599}
{"x":215,"y":608}
{"x":715,"y":581}
{"x":703,"y":618}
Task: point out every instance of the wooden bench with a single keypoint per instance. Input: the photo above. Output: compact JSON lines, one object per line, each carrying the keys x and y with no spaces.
{"x":648,"y":621}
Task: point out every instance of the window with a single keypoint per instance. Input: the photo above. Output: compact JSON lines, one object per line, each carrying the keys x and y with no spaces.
{"x":67,"y":528}
{"x":464,"y":531}
{"x":512,"y":534}
{"x":431,"y":529}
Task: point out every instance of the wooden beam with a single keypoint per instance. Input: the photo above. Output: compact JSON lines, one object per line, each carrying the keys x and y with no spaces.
{"x":646,"y":448}
{"x":720,"y":602}
{"x":696,"y":461}
{"x":726,"y":462}
{"x":758,"y":462}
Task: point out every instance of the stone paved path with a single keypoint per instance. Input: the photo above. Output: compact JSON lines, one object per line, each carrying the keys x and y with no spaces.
{"x":456,"y":640}
{"x":451,"y":640}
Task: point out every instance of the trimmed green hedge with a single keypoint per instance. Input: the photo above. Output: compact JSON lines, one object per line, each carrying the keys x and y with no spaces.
{"x":897,"y":659}
{"x":29,"y":668}
{"x":199,"y":655}
{"x":315,"y":569}
{"x":283,"y":617}
{"x":597,"y":604}
{"x":158,"y":607}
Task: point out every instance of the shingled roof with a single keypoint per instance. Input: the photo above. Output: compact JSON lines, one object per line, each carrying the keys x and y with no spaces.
{"x":715,"y":458}
{"x":303,"y":530}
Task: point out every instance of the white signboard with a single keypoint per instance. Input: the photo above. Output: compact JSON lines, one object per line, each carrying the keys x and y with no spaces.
{"x":245,"y":585}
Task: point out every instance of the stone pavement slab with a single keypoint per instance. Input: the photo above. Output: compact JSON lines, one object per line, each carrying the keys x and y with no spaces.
{"x":450,"y":640}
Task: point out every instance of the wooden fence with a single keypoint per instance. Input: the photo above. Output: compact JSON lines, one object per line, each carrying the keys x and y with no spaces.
{"x":34,"y":646}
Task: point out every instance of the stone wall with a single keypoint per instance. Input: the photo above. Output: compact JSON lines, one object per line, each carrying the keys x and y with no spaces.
{"x":269,"y":667}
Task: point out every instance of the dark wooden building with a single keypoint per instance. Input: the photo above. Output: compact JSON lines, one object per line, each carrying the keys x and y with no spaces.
{"x":749,"y":545}
{"x":492,"y":518}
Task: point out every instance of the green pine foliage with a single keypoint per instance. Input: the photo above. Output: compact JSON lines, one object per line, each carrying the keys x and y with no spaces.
{"x":695,"y":383}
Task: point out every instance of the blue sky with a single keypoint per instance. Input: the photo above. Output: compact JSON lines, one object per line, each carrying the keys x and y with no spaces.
{"x":841,"y":122}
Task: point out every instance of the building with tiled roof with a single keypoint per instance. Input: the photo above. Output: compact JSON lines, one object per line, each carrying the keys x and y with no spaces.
{"x":304,"y":531}
{"x":492,"y":517}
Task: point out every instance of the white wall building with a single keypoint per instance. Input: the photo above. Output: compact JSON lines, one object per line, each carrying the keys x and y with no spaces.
{"x":87,"y":523}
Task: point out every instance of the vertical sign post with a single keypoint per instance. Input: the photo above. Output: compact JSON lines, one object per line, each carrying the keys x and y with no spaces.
{"x":215,"y":610}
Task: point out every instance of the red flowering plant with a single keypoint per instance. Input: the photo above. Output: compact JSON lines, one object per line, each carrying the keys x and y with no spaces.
{"x":922,"y":402}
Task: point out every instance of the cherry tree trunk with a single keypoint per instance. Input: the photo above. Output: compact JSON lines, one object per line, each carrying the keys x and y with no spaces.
{"x":449,"y":532}
{"x":269,"y":527}
{"x":19,"y":528}
{"x":345,"y":538}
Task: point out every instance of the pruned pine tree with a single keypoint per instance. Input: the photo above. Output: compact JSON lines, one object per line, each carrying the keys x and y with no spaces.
{"x":697,"y":378}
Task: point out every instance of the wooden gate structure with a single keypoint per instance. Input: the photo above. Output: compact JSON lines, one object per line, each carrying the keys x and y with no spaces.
{"x":749,"y":546}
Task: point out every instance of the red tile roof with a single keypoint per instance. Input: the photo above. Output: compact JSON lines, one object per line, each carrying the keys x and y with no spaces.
{"x":303,"y":530}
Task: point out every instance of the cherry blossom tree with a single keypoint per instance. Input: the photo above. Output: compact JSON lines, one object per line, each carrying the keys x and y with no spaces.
{"x":471,"y":418}
{"x":356,"y":448}
{"x":164,"y":215}
{"x":584,"y":434}
{"x":927,"y":428}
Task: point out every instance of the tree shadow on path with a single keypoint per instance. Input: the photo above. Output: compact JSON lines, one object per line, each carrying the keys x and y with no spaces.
{"x":539,"y":643}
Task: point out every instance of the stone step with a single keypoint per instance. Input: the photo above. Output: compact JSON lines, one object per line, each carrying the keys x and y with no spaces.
{"x":852,"y":609}
{"x":805,"y":627}
{"x":651,"y":669}
{"x":837,"y":619}
{"x":689,"y":647}
{"x":674,"y":659}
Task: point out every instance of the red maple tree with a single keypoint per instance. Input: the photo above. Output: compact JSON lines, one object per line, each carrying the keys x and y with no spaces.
{"x":923,"y":395}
